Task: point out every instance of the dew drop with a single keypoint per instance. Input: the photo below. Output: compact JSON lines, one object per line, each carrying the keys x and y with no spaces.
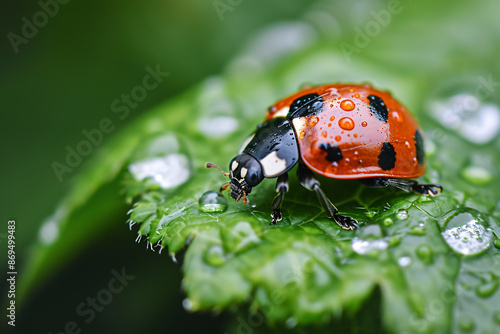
{"x":332,"y":118}
{"x":367,"y":246}
{"x":497,"y":243}
{"x":466,"y":235}
{"x":394,"y":240}
{"x":424,"y":253}
{"x":356,"y":96}
{"x":364,"y":124}
{"x":487,"y":288}
{"x":475,"y":121}
{"x":217,"y":126}
{"x":291,"y":322}
{"x":324,"y":134}
{"x":347,"y":105}
{"x":215,"y":256}
{"x":397,"y":117}
{"x":212,"y":201}
{"x":466,"y":323}
{"x":313,"y":121}
{"x":49,"y":232}
{"x":404,"y":261}
{"x":346,"y":123}
{"x":477,"y":175}
{"x":388,"y":222}
{"x":188,"y":304}
{"x":338,"y":138}
{"x":402,"y":214}
{"x":329,"y":125}
{"x":355,"y":135}
{"x":418,"y":230}
{"x":496,"y":317}
{"x":168,"y":171}
{"x":407,"y":144}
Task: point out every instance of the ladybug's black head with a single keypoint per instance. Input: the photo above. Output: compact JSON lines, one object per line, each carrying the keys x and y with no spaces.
{"x":245,"y":173}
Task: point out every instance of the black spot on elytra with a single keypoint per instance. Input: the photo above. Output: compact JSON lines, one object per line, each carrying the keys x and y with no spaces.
{"x":378,"y":108}
{"x":387,"y":156}
{"x":333,"y":153}
{"x":419,"y":146}
{"x":306,"y":105}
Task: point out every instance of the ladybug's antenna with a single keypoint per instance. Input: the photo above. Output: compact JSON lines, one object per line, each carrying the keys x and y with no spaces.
{"x":211,"y":165}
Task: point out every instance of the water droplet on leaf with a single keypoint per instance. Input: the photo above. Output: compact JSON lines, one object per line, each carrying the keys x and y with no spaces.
{"x":475,"y":121}
{"x":487,"y":289}
{"x":215,"y":256}
{"x":404,"y":261}
{"x":477,"y":175}
{"x":466,"y":235}
{"x":212,"y":201}
{"x":425,"y":253}
{"x":388,"y":222}
{"x":291,"y":322}
{"x":466,"y":323}
{"x":188,"y":305}
{"x":217,"y":126}
{"x":367,"y":246}
{"x":402,"y":214}
{"x":496,"y":317}
{"x":168,"y":172}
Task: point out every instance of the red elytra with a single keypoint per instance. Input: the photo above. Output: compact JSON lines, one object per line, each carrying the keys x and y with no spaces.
{"x":349,"y":123}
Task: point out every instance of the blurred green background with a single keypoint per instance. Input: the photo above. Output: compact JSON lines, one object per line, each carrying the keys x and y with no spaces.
{"x":64,"y":79}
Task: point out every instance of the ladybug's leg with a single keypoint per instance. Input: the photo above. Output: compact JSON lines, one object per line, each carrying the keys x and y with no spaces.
{"x":404,"y":184}
{"x":412,"y":185}
{"x":309,"y":181}
{"x":281,"y":189}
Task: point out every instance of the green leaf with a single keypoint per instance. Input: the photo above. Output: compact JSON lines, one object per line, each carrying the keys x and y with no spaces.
{"x":307,"y":271}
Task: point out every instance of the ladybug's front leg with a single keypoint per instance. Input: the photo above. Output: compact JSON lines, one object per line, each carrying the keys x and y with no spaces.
{"x":309,"y":181}
{"x":281,"y":188}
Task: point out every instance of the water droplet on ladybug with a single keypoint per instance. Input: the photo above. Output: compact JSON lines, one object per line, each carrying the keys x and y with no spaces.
{"x":302,"y":134}
{"x":397,"y":117}
{"x":338,"y":138}
{"x":347,"y":105}
{"x":407,"y":144}
{"x":364,"y":124}
{"x":313,"y":121}
{"x":346,"y":123}
{"x":332,"y":118}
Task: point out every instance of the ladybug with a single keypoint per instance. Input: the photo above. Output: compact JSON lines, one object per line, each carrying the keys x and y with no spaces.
{"x":341,"y":131}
